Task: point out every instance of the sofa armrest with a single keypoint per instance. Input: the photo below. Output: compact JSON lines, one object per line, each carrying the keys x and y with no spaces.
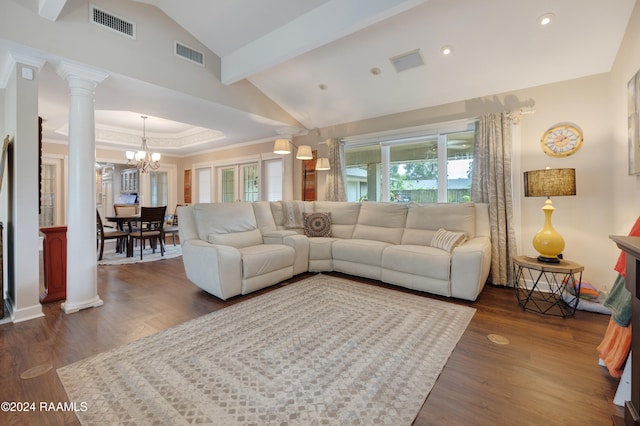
{"x":277,"y":237}
{"x":470,"y":264}
{"x":300,"y":244}
{"x":217,"y":269}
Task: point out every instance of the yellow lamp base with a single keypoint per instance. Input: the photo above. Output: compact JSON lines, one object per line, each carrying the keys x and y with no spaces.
{"x":547,"y":241}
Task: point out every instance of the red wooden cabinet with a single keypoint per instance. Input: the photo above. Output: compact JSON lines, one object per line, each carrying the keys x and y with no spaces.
{"x":55,"y":264}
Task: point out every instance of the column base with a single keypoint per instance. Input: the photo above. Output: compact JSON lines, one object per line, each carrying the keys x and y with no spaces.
{"x":70,"y":308}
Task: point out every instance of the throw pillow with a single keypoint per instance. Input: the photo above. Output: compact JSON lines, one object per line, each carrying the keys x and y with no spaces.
{"x":317,"y":224}
{"x":447,"y":240}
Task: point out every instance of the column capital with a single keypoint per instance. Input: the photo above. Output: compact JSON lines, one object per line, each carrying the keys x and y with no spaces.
{"x":68,"y":70}
{"x":12,"y":59}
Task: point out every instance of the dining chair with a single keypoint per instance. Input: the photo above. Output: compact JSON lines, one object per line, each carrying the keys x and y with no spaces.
{"x":126,"y":210}
{"x":171,"y":226}
{"x":151,"y":228}
{"x":102,"y":235}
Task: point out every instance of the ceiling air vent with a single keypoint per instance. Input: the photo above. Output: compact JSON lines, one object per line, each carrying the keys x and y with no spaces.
{"x":407,"y":60}
{"x":189,"y":54}
{"x":112,"y":22}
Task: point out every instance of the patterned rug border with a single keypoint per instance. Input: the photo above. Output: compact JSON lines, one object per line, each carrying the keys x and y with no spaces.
{"x":139,"y":396}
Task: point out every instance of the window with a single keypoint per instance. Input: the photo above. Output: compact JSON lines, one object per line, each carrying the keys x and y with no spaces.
{"x":203,"y":180}
{"x":247,"y":179}
{"x":47,"y":195}
{"x":239,"y":183}
{"x":273,"y":179}
{"x":250,"y":182}
{"x":228,"y":184}
{"x":159,"y":188}
{"x":430,"y":168}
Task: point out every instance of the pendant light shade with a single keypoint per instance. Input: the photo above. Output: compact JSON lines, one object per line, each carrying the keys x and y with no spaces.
{"x":323,"y":164}
{"x":304,"y":153}
{"x":281,"y":146}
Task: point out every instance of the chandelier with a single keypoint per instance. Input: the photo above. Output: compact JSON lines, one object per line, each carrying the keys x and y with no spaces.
{"x":143,"y":160}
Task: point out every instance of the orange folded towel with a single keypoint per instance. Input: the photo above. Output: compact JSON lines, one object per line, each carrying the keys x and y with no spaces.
{"x":615,"y":347}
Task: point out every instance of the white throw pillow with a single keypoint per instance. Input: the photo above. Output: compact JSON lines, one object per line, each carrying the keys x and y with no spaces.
{"x":447,"y":240}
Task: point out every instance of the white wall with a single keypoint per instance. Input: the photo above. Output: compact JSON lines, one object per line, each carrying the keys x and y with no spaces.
{"x":148,"y":58}
{"x":586,"y":220}
{"x":625,"y":189}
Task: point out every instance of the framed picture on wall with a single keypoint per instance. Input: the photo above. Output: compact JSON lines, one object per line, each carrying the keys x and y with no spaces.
{"x":633,"y":107}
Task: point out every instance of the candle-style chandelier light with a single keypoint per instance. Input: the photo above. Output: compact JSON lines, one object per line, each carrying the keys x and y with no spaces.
{"x":143,"y":159}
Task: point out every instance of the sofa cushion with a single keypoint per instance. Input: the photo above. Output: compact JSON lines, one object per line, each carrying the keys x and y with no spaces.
{"x":447,"y":240}
{"x":381,"y":222}
{"x":320,"y":248}
{"x":366,"y":252}
{"x":265,"y":258}
{"x":264,"y":217}
{"x":344,"y":216}
{"x":423,"y":220}
{"x":418,"y":260}
{"x":317,"y":224}
{"x":236,"y":239}
{"x":232,"y":224}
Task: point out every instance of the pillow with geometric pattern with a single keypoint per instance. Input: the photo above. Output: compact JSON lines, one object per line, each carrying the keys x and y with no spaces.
{"x":447,"y":240}
{"x":317,"y":224}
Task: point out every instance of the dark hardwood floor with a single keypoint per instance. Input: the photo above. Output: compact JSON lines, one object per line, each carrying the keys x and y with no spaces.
{"x":548,"y":374}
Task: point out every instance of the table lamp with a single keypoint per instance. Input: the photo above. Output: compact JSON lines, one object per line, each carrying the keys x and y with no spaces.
{"x":549,"y":183}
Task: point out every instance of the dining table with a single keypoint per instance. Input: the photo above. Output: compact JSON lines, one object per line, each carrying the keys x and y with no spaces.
{"x":130,"y":221}
{"x":122,"y":220}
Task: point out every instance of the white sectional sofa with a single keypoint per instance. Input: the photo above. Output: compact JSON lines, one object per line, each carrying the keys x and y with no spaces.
{"x":233,"y":249}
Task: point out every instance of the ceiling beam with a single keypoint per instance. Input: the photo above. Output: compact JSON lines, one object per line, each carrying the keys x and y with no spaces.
{"x":50,"y":9}
{"x":333,"y":20}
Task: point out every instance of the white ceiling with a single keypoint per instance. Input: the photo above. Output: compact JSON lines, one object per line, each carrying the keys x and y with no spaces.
{"x":289,"y":48}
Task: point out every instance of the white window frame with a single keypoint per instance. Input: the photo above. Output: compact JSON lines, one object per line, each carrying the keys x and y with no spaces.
{"x":260,"y":159}
{"x":403,"y":136}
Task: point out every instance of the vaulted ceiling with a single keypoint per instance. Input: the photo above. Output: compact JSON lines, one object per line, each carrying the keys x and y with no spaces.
{"x":329,"y":62}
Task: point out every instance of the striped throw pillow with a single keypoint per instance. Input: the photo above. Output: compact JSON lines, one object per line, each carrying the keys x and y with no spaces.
{"x":447,"y":240}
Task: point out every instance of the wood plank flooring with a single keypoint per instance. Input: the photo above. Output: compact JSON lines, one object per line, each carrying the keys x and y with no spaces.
{"x":548,"y":374}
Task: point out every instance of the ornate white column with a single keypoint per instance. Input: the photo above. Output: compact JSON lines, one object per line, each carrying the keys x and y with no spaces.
{"x":82,"y":270}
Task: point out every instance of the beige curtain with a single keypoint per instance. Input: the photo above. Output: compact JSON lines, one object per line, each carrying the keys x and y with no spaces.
{"x":491,"y":183}
{"x":336,"y":189}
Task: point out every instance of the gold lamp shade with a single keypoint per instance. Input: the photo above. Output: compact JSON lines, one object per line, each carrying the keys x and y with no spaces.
{"x":549,"y":183}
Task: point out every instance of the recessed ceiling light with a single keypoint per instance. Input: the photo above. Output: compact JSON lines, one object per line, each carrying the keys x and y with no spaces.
{"x":446,"y":50}
{"x":322,"y":86}
{"x":375,"y":71}
{"x":546,"y":19}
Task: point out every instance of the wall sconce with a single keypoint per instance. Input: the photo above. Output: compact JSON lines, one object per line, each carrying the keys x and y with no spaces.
{"x":282,"y":146}
{"x":322,"y":163}
{"x":549,"y":183}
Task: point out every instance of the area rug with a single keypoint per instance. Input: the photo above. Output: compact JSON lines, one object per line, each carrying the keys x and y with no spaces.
{"x":148,"y":255}
{"x":324,"y":350}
